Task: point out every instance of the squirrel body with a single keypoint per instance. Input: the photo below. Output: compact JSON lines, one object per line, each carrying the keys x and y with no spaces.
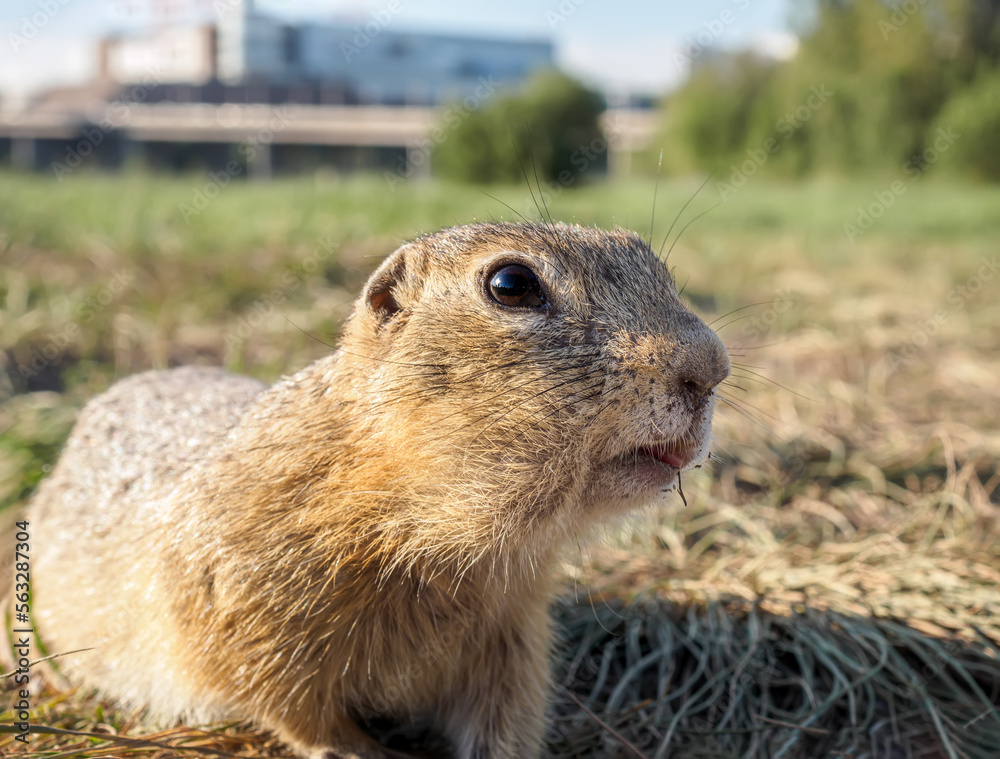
{"x":374,"y":538}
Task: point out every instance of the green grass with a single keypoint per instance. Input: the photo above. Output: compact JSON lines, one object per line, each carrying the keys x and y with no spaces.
{"x":852,"y":514}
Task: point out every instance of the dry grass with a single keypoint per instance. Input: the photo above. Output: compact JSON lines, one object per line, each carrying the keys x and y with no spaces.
{"x":834,"y":589}
{"x":831,"y":589}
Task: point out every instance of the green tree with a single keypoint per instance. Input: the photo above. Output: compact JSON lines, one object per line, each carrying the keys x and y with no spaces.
{"x":888,"y":72}
{"x":969,"y":129}
{"x":710,"y":122}
{"x":549,"y":127}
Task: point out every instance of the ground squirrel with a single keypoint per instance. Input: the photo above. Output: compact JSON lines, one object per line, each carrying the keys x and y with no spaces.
{"x":372,"y":540}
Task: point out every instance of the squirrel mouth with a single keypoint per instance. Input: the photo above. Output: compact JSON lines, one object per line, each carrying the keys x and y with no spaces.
{"x":675,"y":455}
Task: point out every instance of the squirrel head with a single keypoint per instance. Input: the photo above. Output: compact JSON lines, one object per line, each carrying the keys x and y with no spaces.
{"x":538,"y":376}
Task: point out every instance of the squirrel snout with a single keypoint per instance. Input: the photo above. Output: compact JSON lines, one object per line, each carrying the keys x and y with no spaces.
{"x":688,"y":361}
{"x":701,"y":366}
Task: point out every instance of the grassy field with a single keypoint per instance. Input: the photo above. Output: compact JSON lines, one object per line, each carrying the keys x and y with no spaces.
{"x":832,"y":587}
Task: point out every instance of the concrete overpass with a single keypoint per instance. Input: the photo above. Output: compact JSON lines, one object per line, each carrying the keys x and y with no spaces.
{"x":259,"y":129}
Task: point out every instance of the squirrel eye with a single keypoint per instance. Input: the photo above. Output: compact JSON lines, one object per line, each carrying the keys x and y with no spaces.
{"x":516,"y":286}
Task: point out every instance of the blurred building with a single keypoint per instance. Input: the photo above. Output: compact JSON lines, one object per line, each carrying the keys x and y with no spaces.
{"x":247,"y":56}
{"x":175,"y":55}
{"x":249,"y":94}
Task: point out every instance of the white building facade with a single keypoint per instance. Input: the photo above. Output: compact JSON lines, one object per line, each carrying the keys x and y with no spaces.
{"x":378,"y":63}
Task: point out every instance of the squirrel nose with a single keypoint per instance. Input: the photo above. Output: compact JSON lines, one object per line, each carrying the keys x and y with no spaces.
{"x":702,"y":366}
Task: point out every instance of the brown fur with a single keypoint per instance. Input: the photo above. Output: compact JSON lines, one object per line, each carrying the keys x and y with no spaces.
{"x":374,"y":536}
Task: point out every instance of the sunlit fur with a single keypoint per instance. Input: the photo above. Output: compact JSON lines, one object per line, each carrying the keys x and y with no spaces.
{"x":376,"y":534}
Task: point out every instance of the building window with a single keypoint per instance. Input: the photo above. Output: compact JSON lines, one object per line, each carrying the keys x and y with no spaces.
{"x":471,"y":69}
{"x":290,"y":45}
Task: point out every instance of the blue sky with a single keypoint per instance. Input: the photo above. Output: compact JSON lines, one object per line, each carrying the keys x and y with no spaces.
{"x":632,"y":45}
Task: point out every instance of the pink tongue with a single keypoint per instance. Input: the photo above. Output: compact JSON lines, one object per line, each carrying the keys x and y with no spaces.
{"x":668,"y":457}
{"x":671,"y":459}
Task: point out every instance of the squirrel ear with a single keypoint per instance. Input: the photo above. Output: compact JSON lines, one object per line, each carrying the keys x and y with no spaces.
{"x":379,"y":293}
{"x":391,"y":288}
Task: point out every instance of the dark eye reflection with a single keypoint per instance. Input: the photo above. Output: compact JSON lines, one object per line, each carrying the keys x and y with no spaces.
{"x":516,"y":286}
